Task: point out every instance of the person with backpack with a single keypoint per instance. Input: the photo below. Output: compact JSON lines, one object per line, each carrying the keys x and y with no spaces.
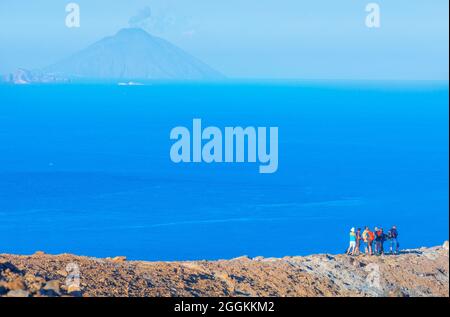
{"x":368,"y":237}
{"x":392,"y":235}
{"x":351,"y":248}
{"x":358,"y":242}
{"x":380,"y":237}
{"x":375,"y":230}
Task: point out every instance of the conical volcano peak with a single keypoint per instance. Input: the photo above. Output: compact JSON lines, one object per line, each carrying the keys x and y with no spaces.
{"x":133,"y":54}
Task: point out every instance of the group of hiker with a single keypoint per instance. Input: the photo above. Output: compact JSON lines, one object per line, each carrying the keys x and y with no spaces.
{"x":373,"y":241}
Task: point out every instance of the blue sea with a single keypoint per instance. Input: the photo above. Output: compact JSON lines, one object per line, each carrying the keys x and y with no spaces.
{"x":86,"y":169}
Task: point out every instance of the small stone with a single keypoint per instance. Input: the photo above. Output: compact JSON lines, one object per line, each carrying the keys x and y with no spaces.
{"x":74,"y":290}
{"x":119,"y":259}
{"x":397,"y":292}
{"x":52,"y":285}
{"x":15,"y":285}
{"x":39,"y":253}
{"x":445,"y":245}
{"x":18,"y":293}
{"x":62,"y":272}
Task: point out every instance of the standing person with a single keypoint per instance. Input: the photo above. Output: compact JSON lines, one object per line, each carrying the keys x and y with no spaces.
{"x":379,"y":238}
{"x":393,"y":234}
{"x":358,"y":242}
{"x":375,"y":230}
{"x":351,"y":247}
{"x":383,"y":239}
{"x":371,"y":237}
{"x":365,"y":237}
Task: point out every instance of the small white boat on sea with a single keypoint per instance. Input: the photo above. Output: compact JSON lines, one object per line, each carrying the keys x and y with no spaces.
{"x":131,"y":83}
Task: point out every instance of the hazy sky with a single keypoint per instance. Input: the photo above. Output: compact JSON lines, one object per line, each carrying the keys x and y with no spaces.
{"x":315,"y":39}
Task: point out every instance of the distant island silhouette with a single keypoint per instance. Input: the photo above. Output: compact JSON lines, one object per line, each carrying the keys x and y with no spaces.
{"x":131,"y":54}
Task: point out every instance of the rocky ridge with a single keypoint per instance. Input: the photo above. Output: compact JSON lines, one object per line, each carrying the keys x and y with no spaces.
{"x":416,"y":272}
